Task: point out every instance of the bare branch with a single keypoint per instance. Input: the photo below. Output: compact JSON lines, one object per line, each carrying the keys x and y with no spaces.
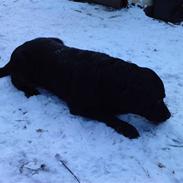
{"x":58,"y":158}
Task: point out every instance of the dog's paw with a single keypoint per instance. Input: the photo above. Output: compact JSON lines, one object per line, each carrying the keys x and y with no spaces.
{"x":127,"y":130}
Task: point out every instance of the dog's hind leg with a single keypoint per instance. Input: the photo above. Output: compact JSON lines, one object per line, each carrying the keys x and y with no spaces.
{"x":118,"y":125}
{"x":22,"y":84}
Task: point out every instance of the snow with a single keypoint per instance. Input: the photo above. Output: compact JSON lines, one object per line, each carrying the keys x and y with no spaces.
{"x":34,"y":131}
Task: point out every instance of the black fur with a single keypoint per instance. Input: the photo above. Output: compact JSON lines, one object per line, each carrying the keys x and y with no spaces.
{"x":93,"y":84}
{"x":167,"y":10}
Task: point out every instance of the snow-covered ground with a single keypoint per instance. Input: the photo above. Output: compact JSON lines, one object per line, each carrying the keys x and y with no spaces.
{"x":34,"y":130}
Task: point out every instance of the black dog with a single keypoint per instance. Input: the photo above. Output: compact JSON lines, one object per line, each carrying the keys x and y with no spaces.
{"x":93,"y":84}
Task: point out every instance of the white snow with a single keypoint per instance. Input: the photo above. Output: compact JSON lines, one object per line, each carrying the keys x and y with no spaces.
{"x":34,"y":130}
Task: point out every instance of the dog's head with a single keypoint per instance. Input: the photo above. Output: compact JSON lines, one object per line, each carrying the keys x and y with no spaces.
{"x":151,"y":97}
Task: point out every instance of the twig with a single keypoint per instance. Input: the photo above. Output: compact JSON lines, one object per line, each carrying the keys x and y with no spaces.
{"x":173,"y":145}
{"x":58,"y":158}
{"x":145,"y":171}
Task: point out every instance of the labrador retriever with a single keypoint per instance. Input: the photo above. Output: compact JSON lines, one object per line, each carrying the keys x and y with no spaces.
{"x":93,"y":84}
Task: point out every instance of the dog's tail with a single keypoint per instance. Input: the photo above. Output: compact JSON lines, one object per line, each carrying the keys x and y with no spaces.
{"x":5,"y":71}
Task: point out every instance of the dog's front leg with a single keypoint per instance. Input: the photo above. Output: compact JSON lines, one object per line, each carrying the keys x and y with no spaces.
{"x":118,"y":125}
{"x":122,"y":127}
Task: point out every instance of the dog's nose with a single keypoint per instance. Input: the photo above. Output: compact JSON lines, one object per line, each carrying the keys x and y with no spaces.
{"x":166,"y":112}
{"x":168,"y":115}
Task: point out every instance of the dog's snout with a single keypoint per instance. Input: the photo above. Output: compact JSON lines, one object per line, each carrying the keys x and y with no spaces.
{"x":168,"y":115}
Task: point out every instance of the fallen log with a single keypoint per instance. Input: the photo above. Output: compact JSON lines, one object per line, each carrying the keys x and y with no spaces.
{"x":111,"y":3}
